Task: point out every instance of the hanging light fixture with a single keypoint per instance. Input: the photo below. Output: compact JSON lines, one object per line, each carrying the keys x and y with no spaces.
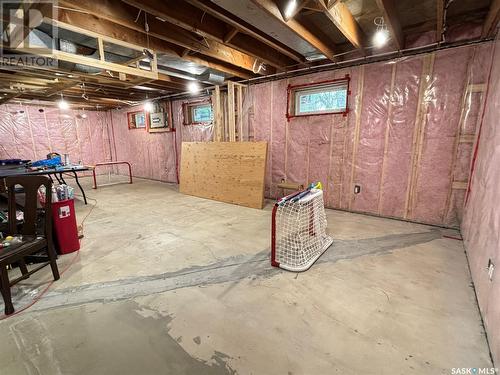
{"x":381,"y":36}
{"x":148,"y":107}
{"x":83,"y":115}
{"x":63,"y":104}
{"x":193,"y":87}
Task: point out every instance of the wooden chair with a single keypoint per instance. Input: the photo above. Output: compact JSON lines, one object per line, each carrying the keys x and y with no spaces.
{"x":35,"y":238}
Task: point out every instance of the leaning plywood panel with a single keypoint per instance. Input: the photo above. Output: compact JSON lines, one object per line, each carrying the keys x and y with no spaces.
{"x":231,"y":172}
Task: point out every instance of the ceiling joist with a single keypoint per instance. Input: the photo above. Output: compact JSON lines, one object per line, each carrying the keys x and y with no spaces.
{"x":163,"y":37}
{"x":271,"y":8}
{"x":195,"y":20}
{"x":342,"y":18}
{"x":245,"y":29}
{"x":439,"y":20}
{"x":388,"y":8}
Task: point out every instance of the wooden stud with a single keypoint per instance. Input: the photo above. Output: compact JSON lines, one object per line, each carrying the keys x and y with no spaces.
{"x":239,"y":109}
{"x":218,"y":115}
{"x":477,"y":87}
{"x":386,"y":139}
{"x":230,"y":111}
{"x":459,"y":185}
{"x":467,"y":138}
{"x":418,"y":134}
{"x":100,"y":43}
{"x":357,"y":129}
{"x":439,"y":20}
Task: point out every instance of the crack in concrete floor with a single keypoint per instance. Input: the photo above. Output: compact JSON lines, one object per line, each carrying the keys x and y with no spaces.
{"x":232,"y":270}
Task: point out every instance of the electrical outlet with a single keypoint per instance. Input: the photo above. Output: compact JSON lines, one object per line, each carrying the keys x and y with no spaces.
{"x":357,"y":189}
{"x":491,"y":268}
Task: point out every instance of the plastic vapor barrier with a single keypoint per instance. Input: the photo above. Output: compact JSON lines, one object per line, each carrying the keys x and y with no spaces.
{"x":406,"y":141}
{"x":31,"y":132}
{"x":481,"y":224}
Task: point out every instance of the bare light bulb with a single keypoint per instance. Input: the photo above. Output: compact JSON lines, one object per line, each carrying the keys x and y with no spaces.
{"x":148,"y":106}
{"x":193,"y":87}
{"x":380,"y":38}
{"x":63,"y":104}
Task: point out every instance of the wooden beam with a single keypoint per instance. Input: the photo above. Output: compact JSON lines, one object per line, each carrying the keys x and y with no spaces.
{"x":491,"y":22}
{"x":342,"y":18}
{"x":388,"y":8}
{"x":439,"y":20}
{"x":101,"y":18}
{"x":190,"y":18}
{"x":330,"y":3}
{"x":6,"y":98}
{"x":230,"y":34}
{"x":245,"y":29}
{"x":160,"y":34}
{"x":271,"y":8}
{"x":231,"y":124}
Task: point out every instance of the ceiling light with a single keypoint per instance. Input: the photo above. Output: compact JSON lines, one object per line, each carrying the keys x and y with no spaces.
{"x":63,"y":104}
{"x":315,"y":57}
{"x":148,"y":106}
{"x":381,"y":36}
{"x":290,"y":8}
{"x":193,"y":87}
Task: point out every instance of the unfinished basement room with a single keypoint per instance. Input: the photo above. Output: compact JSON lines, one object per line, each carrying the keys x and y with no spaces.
{"x":251,"y":187}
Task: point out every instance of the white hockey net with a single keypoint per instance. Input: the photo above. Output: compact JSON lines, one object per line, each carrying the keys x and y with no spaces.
{"x":299,"y":232}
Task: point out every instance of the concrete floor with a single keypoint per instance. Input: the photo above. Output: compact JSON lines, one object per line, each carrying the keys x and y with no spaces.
{"x":172,"y":284}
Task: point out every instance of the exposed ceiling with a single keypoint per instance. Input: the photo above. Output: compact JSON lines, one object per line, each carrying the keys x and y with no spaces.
{"x":112,"y":53}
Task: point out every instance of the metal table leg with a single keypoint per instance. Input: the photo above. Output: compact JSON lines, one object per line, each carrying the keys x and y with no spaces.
{"x":62,"y":178}
{"x":80,"y":186}
{"x":57,"y":178}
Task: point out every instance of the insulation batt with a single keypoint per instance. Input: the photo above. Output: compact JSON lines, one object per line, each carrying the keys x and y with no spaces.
{"x":399,"y":141}
{"x":31,"y":132}
{"x":481,"y":224}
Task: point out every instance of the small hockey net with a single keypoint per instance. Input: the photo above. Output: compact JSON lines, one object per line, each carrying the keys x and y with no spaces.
{"x":299,"y":230}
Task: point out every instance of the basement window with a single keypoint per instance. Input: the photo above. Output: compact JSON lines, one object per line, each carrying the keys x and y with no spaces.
{"x":198,"y":113}
{"x":328,"y":97}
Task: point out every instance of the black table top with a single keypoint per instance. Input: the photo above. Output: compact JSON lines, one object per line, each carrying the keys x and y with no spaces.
{"x":22,"y":171}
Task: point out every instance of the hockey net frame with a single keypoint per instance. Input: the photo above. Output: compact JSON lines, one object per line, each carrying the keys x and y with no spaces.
{"x":298,"y":251}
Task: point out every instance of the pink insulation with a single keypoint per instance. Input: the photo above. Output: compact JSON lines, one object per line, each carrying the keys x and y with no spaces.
{"x":152,"y":155}
{"x":481,"y":224}
{"x":31,"y":132}
{"x":155,"y":156}
{"x":397,"y":164}
{"x":306,"y":149}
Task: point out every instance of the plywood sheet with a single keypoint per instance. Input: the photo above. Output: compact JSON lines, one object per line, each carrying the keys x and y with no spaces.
{"x":231,"y":172}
